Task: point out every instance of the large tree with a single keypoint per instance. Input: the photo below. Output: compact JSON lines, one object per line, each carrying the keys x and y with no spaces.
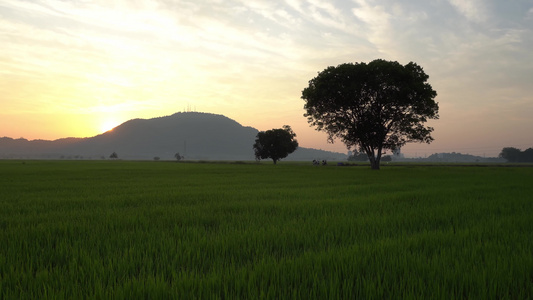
{"x":275,"y":143}
{"x":372,"y":106}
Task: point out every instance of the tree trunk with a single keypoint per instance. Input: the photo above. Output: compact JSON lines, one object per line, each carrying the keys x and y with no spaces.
{"x":377,"y":160}
{"x":275,"y":161}
{"x":374,"y":159}
{"x":374,"y":164}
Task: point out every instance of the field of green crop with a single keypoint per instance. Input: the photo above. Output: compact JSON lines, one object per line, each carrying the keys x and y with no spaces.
{"x":129,"y":230}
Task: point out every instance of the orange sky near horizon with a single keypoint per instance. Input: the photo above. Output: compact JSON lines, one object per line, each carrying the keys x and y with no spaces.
{"x":78,"y":68}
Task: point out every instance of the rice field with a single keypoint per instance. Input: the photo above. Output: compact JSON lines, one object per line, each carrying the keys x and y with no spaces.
{"x":129,"y":230}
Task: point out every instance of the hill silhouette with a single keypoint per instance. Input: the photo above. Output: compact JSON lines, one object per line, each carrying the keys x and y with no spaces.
{"x":195,"y":135}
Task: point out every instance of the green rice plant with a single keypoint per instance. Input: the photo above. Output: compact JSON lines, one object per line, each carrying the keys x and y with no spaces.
{"x":118,"y":229}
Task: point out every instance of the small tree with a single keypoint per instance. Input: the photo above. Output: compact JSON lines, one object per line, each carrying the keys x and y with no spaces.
{"x":113,"y":155}
{"x":373,"y":107}
{"x":178,"y":156}
{"x":275,"y":143}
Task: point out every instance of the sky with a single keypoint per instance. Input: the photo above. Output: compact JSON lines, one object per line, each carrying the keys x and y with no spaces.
{"x":77,"y":68}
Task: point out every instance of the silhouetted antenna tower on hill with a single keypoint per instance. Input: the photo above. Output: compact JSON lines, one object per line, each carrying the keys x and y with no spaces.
{"x":189,"y":108}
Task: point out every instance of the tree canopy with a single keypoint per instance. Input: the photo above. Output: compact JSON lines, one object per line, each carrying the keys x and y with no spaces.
{"x":275,"y":143}
{"x":512,"y":154}
{"x":373,"y":107}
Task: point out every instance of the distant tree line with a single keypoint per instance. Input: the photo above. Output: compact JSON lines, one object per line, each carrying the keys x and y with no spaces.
{"x":361,"y":156}
{"x":358,"y":156}
{"x":516,"y":155}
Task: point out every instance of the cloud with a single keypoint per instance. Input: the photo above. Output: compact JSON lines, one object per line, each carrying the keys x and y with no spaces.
{"x":375,"y":16}
{"x":473,"y":10}
{"x":398,"y":31}
{"x":256,"y":55}
{"x":327,"y":15}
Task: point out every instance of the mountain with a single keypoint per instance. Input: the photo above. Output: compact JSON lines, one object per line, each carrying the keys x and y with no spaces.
{"x":197,"y":136}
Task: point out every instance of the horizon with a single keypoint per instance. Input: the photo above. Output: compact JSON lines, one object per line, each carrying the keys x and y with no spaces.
{"x":408,"y":156}
{"x":77,"y":69}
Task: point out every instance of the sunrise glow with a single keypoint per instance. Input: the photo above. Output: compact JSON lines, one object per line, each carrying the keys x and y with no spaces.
{"x":108,"y":126}
{"x":80,"y":68}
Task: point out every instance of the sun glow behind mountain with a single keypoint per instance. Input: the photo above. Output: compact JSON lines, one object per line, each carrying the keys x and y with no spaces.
{"x":108,"y":125}
{"x":80,"y":68}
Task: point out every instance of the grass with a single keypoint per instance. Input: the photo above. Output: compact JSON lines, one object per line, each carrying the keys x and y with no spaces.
{"x":256,"y":231}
